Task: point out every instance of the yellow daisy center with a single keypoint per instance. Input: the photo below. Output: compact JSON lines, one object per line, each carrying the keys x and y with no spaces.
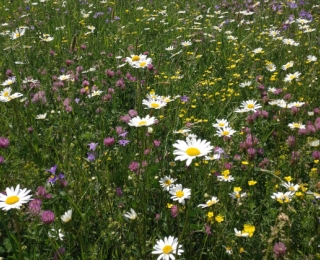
{"x":192,"y":151}
{"x":6,"y":94}
{"x":167,"y":249}
{"x":17,"y":34}
{"x":250,"y":106}
{"x":142,"y":64}
{"x":221,"y":124}
{"x":135,"y":58}
{"x":142,"y":123}
{"x":296,"y":125}
{"x":179,"y":193}
{"x":209,"y":203}
{"x":167,"y":182}
{"x":225,"y":133}
{"x":12,"y":200}
{"x":292,"y":188}
{"x":154,"y":105}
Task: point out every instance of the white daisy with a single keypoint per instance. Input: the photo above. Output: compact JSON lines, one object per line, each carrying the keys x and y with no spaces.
{"x":287,"y":65}
{"x":239,"y":233}
{"x":311,"y":58}
{"x":95,"y":93}
{"x":290,"y":186}
{"x":64,"y":77}
{"x":18,"y":33}
{"x":289,"y":77}
{"x":258,"y":50}
{"x":296,"y":126}
{"x":9,"y":81}
{"x":179,"y":194}
{"x":315,"y":194}
{"x":154,"y":103}
{"x":245,"y":84}
{"x":220,"y":123}
{"x":225,"y":131}
{"x":138,"y":122}
{"x":5,"y":95}
{"x":226,"y":178}
{"x":214,"y":200}
{"x":14,"y":198}
{"x":247,"y":106}
{"x":135,"y":58}
{"x":142,"y":63}
{"x":41,"y":116}
{"x":186,"y":43}
{"x":278,"y":102}
{"x":66,"y":217}
{"x":295,"y":104}
{"x":170,"y":48}
{"x":167,"y":248}
{"x":131,"y":215}
{"x":182,"y":131}
{"x":167,"y":182}
{"x":283,"y":197}
{"x":271,"y":67}
{"x":190,"y":149}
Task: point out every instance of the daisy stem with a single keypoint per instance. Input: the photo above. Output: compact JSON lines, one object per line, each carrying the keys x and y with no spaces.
{"x":17,"y":225}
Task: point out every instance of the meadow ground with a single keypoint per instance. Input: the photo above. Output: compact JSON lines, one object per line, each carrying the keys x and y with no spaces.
{"x":159,"y":129}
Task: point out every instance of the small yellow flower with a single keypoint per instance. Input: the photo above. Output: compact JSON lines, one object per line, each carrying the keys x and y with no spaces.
{"x":219,"y":218}
{"x":316,"y":161}
{"x":226,"y":172}
{"x":241,"y":250}
{"x":237,"y":189}
{"x":247,"y":228}
{"x":288,"y":178}
{"x":210,"y":215}
{"x":252,"y":183}
{"x":169,"y":205}
{"x":244,"y":162}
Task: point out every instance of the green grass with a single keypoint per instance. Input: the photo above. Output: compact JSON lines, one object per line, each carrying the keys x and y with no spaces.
{"x":100,"y":186}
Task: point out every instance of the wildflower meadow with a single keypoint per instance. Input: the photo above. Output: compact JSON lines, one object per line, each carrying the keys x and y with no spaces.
{"x":144,"y":129}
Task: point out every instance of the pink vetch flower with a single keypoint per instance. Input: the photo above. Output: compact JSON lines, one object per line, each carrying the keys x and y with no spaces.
{"x":174,"y":211}
{"x":47,"y":217}
{"x":4,"y":142}
{"x":279,"y":250}
{"x":208,"y":229}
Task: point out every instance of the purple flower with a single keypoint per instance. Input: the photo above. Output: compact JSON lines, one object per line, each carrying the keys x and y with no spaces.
{"x":133,"y":113}
{"x":4,"y":142}
{"x":35,"y":206}
{"x":123,"y":134}
{"x":109,"y":141}
{"x":47,"y":217}
{"x":134,"y":166}
{"x":208,"y":229}
{"x":59,"y":253}
{"x":174,"y":211}
{"x":123,"y":142}
{"x":119,"y":191}
{"x":184,"y":98}
{"x":279,"y":249}
{"x":1,"y":159}
{"x":52,"y":170}
{"x":92,"y":146}
{"x":91,"y":157}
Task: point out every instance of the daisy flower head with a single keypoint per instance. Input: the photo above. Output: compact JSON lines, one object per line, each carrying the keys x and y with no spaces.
{"x":290,"y":186}
{"x":41,"y":116}
{"x":186,"y":43}
{"x":283,"y":197}
{"x":167,"y":248}
{"x":14,"y":198}
{"x":182,"y":131}
{"x":287,"y":65}
{"x":190,"y":149}
{"x":258,"y":50}
{"x":271,"y":67}
{"x":214,"y":200}
{"x":295,"y":104}
{"x":170,"y":48}
{"x":311,"y":58}
{"x":142,"y":63}
{"x":245,"y":84}
{"x":9,"y":81}
{"x":154,"y":103}
{"x":135,"y":58}
{"x":145,"y":121}
{"x":5,"y":95}
{"x":225,"y":131}
{"x":179,"y":194}
{"x":18,"y":33}
{"x":291,"y":76}
{"x":131,"y":215}
{"x":95,"y":93}
{"x":220,"y":123}
{"x":225,"y":178}
{"x":239,"y":233}
{"x":167,"y":182}
{"x":279,"y":102}
{"x":64,"y":77}
{"x":296,"y":126}
{"x":247,"y":106}
{"x":66,"y":217}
